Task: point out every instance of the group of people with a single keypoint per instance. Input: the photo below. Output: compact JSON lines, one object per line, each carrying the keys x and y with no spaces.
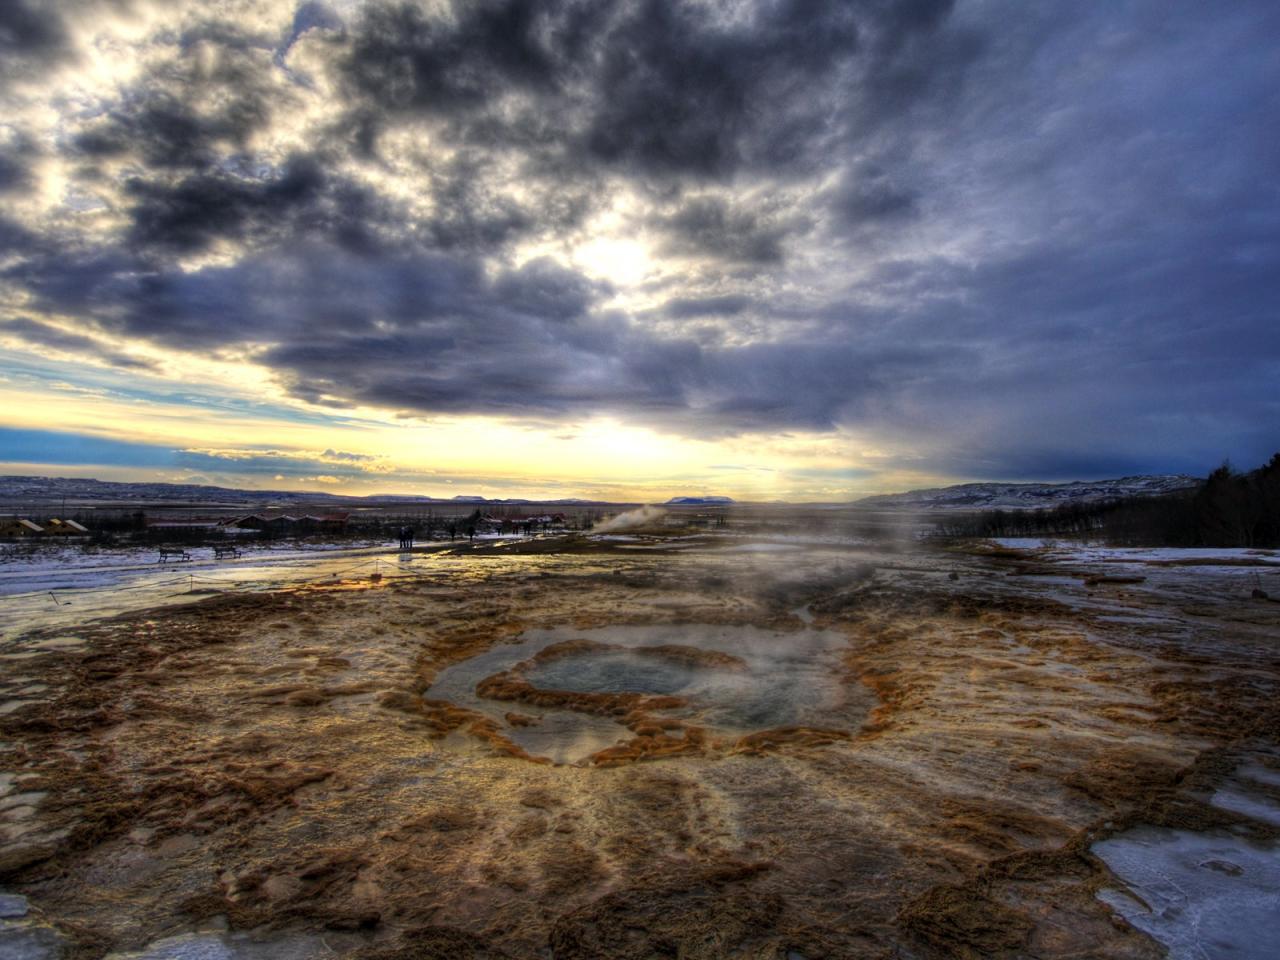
{"x":408,"y":533}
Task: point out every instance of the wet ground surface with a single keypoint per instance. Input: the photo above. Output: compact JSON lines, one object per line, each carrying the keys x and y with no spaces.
{"x":626,"y":748}
{"x":72,"y":585}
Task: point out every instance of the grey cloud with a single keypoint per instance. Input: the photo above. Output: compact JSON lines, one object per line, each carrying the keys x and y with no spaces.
{"x":682,"y":93}
{"x":44,"y":335}
{"x":300,"y":200}
{"x":683,"y":308}
{"x":32,"y":36}
{"x":167,"y":120}
{"x":658,"y":89}
{"x":709,"y":226}
{"x":344,"y":455}
{"x":869,"y":198}
{"x":17,"y":153}
{"x":263,"y":462}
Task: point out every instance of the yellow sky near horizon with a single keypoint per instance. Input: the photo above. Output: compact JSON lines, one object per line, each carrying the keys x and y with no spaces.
{"x":248,"y":433}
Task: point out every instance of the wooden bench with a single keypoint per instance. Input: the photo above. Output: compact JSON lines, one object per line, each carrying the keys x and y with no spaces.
{"x":220,"y":553}
{"x":173,"y":553}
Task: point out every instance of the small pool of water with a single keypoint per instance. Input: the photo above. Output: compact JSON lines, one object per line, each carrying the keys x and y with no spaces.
{"x":769,"y":679}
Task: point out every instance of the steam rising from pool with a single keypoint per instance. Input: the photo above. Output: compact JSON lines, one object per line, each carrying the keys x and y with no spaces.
{"x":632,"y":520}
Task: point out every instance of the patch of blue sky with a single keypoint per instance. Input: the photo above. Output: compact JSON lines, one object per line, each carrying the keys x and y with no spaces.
{"x":74,"y":449}
{"x":55,"y":448}
{"x":133,"y":387}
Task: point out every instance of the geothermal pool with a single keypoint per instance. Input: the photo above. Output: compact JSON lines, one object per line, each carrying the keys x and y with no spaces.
{"x":730,"y":680}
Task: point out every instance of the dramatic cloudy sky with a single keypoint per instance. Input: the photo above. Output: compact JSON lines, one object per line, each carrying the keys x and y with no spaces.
{"x":793,"y":249}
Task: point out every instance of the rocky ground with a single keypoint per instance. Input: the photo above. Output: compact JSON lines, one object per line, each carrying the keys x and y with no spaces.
{"x":264,"y":775}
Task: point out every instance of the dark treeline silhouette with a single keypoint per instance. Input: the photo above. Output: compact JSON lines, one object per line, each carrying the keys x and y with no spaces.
{"x":1229,"y":509}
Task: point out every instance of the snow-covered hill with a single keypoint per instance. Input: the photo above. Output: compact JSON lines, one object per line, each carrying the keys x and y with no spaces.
{"x":21,"y":489}
{"x":79,"y":488}
{"x":1029,"y":496}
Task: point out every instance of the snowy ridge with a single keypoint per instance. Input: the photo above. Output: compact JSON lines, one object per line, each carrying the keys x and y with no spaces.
{"x":19,"y":488}
{"x":1030,"y":496}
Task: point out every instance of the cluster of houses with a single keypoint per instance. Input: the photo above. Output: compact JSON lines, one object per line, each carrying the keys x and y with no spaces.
{"x":256,"y":521}
{"x":15,"y":527}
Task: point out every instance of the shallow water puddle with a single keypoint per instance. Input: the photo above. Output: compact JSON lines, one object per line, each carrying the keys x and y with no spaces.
{"x":1206,"y":895}
{"x":733,"y":680}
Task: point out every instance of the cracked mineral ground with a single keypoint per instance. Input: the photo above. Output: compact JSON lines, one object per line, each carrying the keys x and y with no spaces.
{"x":691,"y":746}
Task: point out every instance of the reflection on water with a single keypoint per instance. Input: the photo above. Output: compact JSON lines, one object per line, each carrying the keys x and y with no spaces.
{"x":779,"y":679}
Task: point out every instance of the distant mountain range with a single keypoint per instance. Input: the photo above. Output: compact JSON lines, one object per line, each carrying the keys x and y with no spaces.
{"x":965,"y":496}
{"x":75,"y":489}
{"x":1028,"y":496}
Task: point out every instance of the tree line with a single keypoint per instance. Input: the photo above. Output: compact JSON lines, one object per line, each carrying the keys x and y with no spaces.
{"x":1229,"y":509}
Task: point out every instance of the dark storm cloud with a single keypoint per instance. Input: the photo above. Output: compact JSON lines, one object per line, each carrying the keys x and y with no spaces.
{"x":17,"y":153}
{"x":712,"y":227}
{"x":300,"y":200}
{"x":683,"y":308}
{"x":1008,"y":239}
{"x":32,"y":35}
{"x":869,"y":201}
{"x":43,"y":335}
{"x":657,"y":89}
{"x":680,"y":93}
{"x":406,"y":59}
{"x":166,"y":132}
{"x":198,"y":106}
{"x":14,"y":237}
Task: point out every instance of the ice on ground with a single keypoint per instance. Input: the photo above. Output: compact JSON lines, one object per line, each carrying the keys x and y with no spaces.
{"x":1098,"y":553}
{"x":228,"y":946}
{"x":1250,"y":805}
{"x":1201,"y":895}
{"x":22,"y":938}
{"x":12,"y":905}
{"x":1024,"y":543}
